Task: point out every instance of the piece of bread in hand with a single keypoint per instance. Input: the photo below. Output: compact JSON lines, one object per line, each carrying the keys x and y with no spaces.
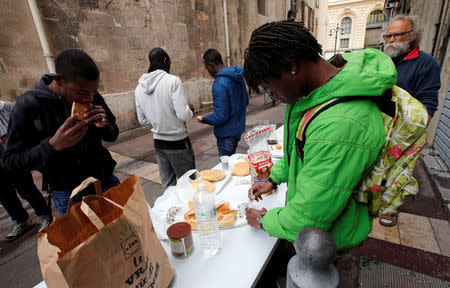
{"x":78,"y":108}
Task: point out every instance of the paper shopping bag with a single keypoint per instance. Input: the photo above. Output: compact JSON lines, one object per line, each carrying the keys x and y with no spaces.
{"x":106,"y":240}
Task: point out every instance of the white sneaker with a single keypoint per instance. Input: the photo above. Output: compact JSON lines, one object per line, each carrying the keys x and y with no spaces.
{"x":19,"y":229}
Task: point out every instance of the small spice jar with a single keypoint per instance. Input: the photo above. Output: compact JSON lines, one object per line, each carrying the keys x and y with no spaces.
{"x":180,"y":239}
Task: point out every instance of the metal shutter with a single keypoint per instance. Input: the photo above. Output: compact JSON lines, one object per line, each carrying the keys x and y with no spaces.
{"x":442,"y":139}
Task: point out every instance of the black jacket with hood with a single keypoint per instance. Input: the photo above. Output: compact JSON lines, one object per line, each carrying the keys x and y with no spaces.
{"x":33,"y":123}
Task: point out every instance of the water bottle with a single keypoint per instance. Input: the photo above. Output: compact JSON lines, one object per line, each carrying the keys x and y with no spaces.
{"x":206,"y":215}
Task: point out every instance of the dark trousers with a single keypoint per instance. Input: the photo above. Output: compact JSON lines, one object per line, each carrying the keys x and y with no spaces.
{"x":24,"y":185}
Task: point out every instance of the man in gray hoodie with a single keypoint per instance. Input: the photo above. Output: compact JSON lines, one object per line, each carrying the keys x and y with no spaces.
{"x":161,"y":103}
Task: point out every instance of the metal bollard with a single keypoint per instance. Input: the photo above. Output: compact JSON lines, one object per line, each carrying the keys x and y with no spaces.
{"x":312,"y":266}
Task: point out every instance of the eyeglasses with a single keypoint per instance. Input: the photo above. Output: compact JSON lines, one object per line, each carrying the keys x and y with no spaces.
{"x":395,"y":35}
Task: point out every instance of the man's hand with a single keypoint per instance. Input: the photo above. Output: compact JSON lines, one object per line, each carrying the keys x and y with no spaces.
{"x":191,"y":107}
{"x":96,"y":115}
{"x":252,"y":216}
{"x":258,"y":189}
{"x":201,"y":119}
{"x":69,"y":134}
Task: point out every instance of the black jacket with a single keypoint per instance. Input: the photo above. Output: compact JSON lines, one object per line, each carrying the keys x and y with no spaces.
{"x":33,"y":123}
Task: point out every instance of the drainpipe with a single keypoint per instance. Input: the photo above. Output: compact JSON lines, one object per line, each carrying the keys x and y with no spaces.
{"x":403,"y":8}
{"x":288,"y":7}
{"x":41,"y":34}
{"x":437,"y":33}
{"x":227,"y":40}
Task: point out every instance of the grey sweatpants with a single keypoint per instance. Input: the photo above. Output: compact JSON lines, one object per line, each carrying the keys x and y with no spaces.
{"x":172,"y":164}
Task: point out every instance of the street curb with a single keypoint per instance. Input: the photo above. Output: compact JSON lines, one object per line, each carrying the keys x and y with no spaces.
{"x":435,"y":174}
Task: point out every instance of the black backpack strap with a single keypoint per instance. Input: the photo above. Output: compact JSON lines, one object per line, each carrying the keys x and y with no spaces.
{"x":309,"y":115}
{"x":384,"y":103}
{"x":32,"y":106}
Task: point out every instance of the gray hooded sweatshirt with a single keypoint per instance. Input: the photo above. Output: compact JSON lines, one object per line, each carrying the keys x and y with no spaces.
{"x":161,"y":103}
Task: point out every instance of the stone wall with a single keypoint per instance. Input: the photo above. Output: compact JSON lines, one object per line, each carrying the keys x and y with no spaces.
{"x":123,"y":104}
{"x":119,"y":34}
{"x":322,"y":21}
{"x":21,"y":61}
{"x":428,"y":14}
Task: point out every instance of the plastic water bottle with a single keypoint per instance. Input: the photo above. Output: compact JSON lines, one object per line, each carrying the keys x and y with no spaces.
{"x":206,"y":215}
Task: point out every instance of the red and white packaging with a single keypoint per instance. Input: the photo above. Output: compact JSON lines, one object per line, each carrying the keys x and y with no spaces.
{"x":259,"y":155}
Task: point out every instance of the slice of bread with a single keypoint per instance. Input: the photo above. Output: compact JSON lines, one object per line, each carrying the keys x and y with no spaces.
{"x":78,"y":108}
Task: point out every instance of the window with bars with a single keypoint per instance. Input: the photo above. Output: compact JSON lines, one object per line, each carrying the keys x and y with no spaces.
{"x":344,"y":43}
{"x":346,"y":25}
{"x":294,"y":5}
{"x":376,"y":17}
{"x":262,"y":7}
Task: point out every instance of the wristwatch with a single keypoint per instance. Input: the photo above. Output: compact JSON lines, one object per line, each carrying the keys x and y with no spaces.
{"x":275,"y":185}
{"x":259,"y":220}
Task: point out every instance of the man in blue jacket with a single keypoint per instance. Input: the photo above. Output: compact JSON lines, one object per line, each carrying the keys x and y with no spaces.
{"x":417,"y":71}
{"x":230,"y":101}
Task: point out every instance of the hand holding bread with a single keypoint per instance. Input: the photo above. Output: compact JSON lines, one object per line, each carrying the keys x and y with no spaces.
{"x":201,"y":119}
{"x":78,"y":110}
{"x":68,"y":134}
{"x":94,"y":114}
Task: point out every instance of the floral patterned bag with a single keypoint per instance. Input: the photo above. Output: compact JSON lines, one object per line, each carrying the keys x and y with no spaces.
{"x":390,"y":180}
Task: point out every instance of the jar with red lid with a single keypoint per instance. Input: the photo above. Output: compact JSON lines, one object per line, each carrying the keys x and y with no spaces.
{"x":180,"y":239}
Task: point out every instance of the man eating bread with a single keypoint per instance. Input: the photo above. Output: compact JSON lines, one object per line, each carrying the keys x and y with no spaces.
{"x":65,"y":147}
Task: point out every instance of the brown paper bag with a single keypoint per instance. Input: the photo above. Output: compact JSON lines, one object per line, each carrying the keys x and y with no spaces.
{"x":104,"y":241}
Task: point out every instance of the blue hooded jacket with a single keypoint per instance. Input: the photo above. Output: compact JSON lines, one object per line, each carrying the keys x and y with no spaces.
{"x":230,"y":101}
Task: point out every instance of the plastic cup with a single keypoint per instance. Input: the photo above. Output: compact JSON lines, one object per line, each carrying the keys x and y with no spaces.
{"x":224,"y":161}
{"x":272,"y":128}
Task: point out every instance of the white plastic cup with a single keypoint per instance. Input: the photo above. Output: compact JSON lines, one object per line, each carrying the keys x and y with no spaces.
{"x":224,"y":161}
{"x":272,"y":128}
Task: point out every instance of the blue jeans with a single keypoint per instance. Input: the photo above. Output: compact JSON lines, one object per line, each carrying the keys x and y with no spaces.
{"x":227,"y":146}
{"x":61,"y":197}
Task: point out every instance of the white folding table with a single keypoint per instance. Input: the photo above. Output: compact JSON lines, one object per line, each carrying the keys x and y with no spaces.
{"x":245,"y":251}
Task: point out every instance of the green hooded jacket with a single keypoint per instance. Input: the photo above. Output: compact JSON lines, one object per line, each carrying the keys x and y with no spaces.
{"x":342,"y":144}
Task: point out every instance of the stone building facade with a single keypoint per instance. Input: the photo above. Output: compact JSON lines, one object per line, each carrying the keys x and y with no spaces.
{"x":359,"y":25}
{"x":119,"y":34}
{"x":313,"y":15}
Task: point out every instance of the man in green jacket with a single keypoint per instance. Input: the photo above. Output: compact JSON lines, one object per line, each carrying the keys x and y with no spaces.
{"x":342,"y":142}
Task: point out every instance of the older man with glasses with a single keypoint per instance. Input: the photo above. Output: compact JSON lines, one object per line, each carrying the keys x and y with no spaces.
{"x":417,"y":71}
